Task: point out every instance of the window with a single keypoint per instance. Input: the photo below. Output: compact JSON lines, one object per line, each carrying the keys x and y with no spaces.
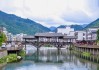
{"x":83,"y":38}
{"x":83,"y":34}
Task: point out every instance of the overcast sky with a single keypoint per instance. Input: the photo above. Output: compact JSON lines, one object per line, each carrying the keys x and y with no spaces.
{"x":53,"y":12}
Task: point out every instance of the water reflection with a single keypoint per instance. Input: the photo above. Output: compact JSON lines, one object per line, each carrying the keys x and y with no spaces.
{"x":52,"y":59}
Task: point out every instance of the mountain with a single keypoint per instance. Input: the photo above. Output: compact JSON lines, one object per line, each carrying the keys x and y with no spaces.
{"x":61,"y":26}
{"x":76,"y":27}
{"x":15,"y":24}
{"x":93,"y":24}
{"x":52,"y":28}
{"x":84,"y":25}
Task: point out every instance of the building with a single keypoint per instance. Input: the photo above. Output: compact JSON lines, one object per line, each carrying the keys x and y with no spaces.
{"x":5,"y":31}
{"x":92,"y":33}
{"x":19,"y":37}
{"x":10,"y":37}
{"x":81,"y":35}
{"x":67,"y":31}
{"x":89,"y":34}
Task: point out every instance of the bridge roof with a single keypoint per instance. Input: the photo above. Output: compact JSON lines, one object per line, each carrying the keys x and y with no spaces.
{"x":28,"y":37}
{"x":69,"y":37}
{"x":49,"y":34}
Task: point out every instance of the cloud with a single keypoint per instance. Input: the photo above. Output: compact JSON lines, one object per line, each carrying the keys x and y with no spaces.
{"x":53,"y":12}
{"x":77,"y":17}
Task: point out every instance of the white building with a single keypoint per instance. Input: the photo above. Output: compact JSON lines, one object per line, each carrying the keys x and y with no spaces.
{"x":9,"y":37}
{"x":92,"y":33}
{"x":19,"y":37}
{"x":5,"y":31}
{"x":81,"y":35}
{"x":67,"y":31}
{"x":89,"y":34}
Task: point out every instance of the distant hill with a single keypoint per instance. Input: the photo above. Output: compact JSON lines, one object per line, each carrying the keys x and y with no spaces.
{"x":93,"y":24}
{"x":61,"y":26}
{"x":84,"y":25}
{"x":15,"y":24}
{"x":52,"y":28}
{"x":76,"y":27}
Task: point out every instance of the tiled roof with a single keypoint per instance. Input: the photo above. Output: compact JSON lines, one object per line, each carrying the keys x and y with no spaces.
{"x":49,"y":34}
{"x":70,"y":37}
{"x":28,"y":37}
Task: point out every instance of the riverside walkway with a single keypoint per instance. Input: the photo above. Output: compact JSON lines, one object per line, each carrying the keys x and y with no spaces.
{"x":86,"y":46}
{"x":93,"y":49}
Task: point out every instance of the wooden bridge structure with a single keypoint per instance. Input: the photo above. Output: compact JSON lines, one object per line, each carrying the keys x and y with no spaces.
{"x":57,"y":40}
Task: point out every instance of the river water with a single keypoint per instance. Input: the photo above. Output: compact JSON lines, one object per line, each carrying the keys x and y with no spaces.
{"x":51,"y":59}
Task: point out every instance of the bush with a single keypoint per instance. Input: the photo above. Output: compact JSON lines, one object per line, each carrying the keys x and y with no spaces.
{"x":70,"y":48}
{"x":3,"y":38}
{"x":47,"y":45}
{"x":21,"y":53}
{"x":2,"y":60}
{"x":11,"y":58}
{"x":86,"y":54}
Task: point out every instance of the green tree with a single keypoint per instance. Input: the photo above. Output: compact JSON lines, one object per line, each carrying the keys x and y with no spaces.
{"x":97,"y":36}
{"x":3,"y":38}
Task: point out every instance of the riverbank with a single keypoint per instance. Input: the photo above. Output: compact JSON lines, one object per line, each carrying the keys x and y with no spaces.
{"x":2,"y":65}
{"x":88,"y":52}
{"x":11,"y":58}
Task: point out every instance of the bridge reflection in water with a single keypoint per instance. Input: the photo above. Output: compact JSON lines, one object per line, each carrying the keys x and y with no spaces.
{"x":47,"y":54}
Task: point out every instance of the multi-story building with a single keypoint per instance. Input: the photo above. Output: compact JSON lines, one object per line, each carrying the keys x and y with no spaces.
{"x":92,"y":33}
{"x":19,"y":37}
{"x":9,"y":37}
{"x":66,"y":31}
{"x":88,"y":34}
{"x":81,"y":35}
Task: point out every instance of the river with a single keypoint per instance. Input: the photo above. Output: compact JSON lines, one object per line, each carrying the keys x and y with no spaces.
{"x":51,"y":59}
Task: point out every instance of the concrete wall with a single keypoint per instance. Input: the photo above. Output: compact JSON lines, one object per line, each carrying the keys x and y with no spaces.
{"x":3,"y":53}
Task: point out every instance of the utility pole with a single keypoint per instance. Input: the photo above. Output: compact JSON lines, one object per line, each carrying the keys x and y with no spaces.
{"x":86,"y":35}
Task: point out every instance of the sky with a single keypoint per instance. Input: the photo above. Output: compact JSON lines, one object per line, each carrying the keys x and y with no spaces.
{"x":53,"y":12}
